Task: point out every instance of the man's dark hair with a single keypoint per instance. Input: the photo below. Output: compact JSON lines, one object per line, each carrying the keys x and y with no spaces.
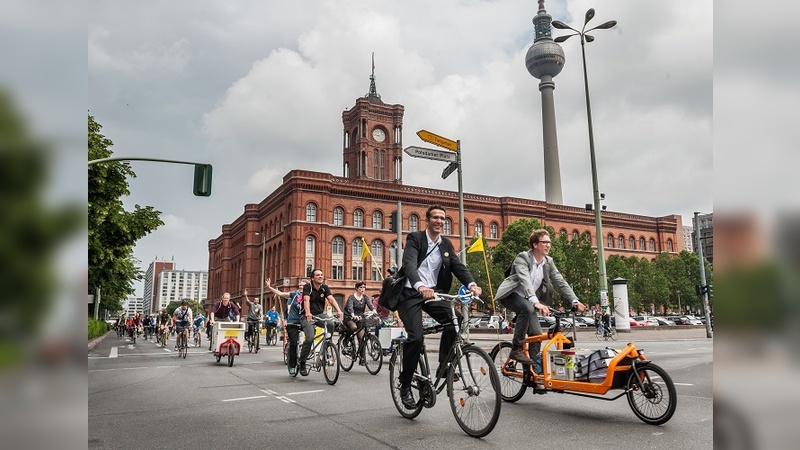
{"x":431,"y":208}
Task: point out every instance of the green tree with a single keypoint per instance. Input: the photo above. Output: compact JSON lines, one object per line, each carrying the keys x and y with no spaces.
{"x":193,"y":305}
{"x":577,"y":262}
{"x":113,"y":231}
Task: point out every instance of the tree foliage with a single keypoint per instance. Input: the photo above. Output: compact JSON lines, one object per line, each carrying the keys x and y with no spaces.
{"x":113,"y":231}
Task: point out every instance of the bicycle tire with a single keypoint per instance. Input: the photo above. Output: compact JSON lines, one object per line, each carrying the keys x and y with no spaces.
{"x":395,"y":367}
{"x":250,"y":344}
{"x":655,"y":401}
{"x":511,"y":387}
{"x":274,"y":339}
{"x":257,"y":339}
{"x":372,"y":354}
{"x":184,"y":346}
{"x":613,"y":334}
{"x":475,"y":398}
{"x":230,"y":355}
{"x":286,"y":353}
{"x":347,"y":352}
{"x":330,"y":362}
{"x":598,"y":334}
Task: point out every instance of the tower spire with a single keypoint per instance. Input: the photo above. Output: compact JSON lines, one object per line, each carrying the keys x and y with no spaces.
{"x":373,"y":91}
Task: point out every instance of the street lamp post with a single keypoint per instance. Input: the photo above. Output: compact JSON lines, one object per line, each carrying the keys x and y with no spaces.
{"x":601,"y":262}
{"x":263,"y":255}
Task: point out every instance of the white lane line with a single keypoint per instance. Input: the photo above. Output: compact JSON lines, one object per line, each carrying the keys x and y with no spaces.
{"x":267,"y":391}
{"x":113,"y":353}
{"x":285,"y":399}
{"x":305,"y":392}
{"x":244,"y":398}
{"x":683,"y":384}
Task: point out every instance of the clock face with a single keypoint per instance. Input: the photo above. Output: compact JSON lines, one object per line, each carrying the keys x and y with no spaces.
{"x":378,"y":135}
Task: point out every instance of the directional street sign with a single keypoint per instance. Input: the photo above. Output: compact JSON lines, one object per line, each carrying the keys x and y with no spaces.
{"x":430,"y":153}
{"x":435,"y":139}
{"x":449,"y":169}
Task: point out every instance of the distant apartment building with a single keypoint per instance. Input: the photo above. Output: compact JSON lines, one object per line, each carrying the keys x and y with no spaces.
{"x":150,"y":279}
{"x":688,"y":239}
{"x":706,"y":230}
{"x":174,"y":285}
{"x":133,"y":305}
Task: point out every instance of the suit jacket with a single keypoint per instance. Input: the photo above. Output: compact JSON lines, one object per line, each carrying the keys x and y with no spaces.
{"x":417,"y":249}
{"x":521,"y":276}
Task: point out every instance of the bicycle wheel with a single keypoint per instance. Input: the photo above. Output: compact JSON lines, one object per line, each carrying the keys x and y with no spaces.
{"x":286,"y":353}
{"x":250,"y":344}
{"x":256,"y":343}
{"x":330,"y":362}
{"x":475,"y":397}
{"x":347,"y":351}
{"x":612,"y":333}
{"x":395,"y":367}
{"x":598,"y":333}
{"x":372,"y":354}
{"x":230,"y":355}
{"x":184,"y":346}
{"x":511,"y":386}
{"x":274,"y":338}
{"x":163,"y":340}
{"x":655,"y":400}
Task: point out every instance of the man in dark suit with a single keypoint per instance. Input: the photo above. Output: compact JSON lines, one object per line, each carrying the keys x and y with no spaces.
{"x":429,"y":262}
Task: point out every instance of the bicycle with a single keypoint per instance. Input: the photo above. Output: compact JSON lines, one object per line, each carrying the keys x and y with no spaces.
{"x":162,"y":336}
{"x":254,"y":338}
{"x":650,"y":391}
{"x":604,"y":333}
{"x":369,"y":353}
{"x":323,"y":355}
{"x":472,"y":382}
{"x":182,"y":341}
{"x":272,"y":334}
{"x":197,"y":337}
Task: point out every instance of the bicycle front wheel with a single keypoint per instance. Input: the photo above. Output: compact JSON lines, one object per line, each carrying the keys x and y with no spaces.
{"x":273,"y":338}
{"x":511,"y":386}
{"x":395,"y":367}
{"x":652,"y":397}
{"x":347,"y":351}
{"x":330,"y":362}
{"x":475,"y":396}
{"x":373,"y":354}
{"x":257,"y":339}
{"x":184,"y":346}
{"x":286,"y":353}
{"x":230,"y":355}
{"x":613,"y":334}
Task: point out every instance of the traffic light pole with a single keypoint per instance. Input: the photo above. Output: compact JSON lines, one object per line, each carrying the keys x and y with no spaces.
{"x":462,"y":231}
{"x":202,"y":171}
{"x":699,"y":246}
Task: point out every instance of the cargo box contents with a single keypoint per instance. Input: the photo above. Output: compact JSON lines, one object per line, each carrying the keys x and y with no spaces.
{"x":594,"y":366}
{"x":563,"y":363}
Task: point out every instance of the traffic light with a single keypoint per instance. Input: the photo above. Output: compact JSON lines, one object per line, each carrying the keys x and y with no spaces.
{"x":698,"y":289}
{"x":202,"y":180}
{"x":710,"y":290}
{"x":394,"y":223}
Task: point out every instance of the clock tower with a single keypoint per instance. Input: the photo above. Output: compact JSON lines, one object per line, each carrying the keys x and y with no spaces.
{"x":373,"y":138}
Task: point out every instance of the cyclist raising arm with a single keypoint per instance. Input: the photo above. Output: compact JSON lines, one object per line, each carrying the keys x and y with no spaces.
{"x":294,"y":312}
{"x":254,"y":315}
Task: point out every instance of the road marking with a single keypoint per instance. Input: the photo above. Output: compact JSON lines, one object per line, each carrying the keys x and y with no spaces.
{"x":305,"y":392}
{"x":267,"y":391}
{"x":683,"y":384}
{"x":244,"y":398}
{"x":285,"y":399}
{"x":113,"y":353}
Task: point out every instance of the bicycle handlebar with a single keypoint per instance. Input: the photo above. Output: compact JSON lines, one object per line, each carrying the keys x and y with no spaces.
{"x":464,"y":299}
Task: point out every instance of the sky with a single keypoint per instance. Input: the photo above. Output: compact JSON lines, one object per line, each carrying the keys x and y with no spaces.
{"x":258,"y":89}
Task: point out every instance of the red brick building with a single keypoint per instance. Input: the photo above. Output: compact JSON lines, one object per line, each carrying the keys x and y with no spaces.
{"x":318,"y":220}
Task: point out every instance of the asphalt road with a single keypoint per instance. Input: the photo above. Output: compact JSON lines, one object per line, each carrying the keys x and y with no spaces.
{"x":142,"y":396}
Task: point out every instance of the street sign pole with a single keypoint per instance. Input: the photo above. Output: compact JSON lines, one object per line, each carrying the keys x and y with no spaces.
{"x":461,"y":206}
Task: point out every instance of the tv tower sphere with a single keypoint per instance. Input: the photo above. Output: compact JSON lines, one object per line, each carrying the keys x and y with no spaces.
{"x":544,"y":58}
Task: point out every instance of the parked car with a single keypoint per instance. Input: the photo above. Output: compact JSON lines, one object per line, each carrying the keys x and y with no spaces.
{"x":568,"y":321}
{"x":489,"y":322}
{"x":585,"y":320}
{"x":473,"y":322}
{"x":688,"y":319}
{"x":546,"y":322}
{"x":428,"y":322}
{"x":647,"y":321}
{"x":636,"y":323}
{"x":665,"y":321}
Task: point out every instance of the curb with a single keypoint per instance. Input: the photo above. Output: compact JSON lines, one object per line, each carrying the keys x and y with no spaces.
{"x":93,"y":343}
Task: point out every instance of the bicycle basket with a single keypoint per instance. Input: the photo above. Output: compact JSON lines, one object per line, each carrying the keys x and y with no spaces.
{"x":372,"y":321}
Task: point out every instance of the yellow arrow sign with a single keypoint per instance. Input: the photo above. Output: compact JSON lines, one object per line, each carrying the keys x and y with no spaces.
{"x":435,"y":139}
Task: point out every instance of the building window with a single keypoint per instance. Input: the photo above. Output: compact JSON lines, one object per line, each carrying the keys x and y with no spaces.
{"x":632,"y":243}
{"x":311,"y":212}
{"x":562,"y":232}
{"x":338,"y":216}
{"x":652,"y":245}
{"x":377,"y":220}
{"x":448,"y":226}
{"x":621,"y":240}
{"x":586,"y":236}
{"x":358,"y":220}
{"x":377,"y":260}
{"x":493,"y":230}
{"x":358,"y":265}
{"x":575,"y":235}
{"x":641,"y":243}
{"x":610,"y":241}
{"x":393,"y":254}
{"x":310,"y":245}
{"x":466,"y":227}
{"x":337,"y":258}
{"x":413,"y":223}
{"x":669,"y":245}
{"x":478,"y":228}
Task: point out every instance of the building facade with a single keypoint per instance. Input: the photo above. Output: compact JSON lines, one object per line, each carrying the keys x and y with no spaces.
{"x":133,"y":305}
{"x":706,"y":229}
{"x":688,"y":236}
{"x":319,"y":220}
{"x":150,"y":302}
{"x":176,"y":285}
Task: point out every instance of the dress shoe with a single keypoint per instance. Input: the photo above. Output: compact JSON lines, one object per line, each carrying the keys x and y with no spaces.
{"x":519,"y":355}
{"x":406,"y":397}
{"x":441,"y":372}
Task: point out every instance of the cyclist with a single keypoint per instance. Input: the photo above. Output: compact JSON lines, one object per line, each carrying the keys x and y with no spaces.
{"x":137,"y":322}
{"x":529,"y":288}
{"x":430,"y":261}
{"x":163,"y":322}
{"x":199,"y":321}
{"x":224,"y":310}
{"x":271,"y":322}
{"x":254,"y":316}
{"x":357,"y":303}
{"x":294,"y":313}
{"x":183,"y":319}
{"x":315,"y":295}
{"x":130,"y":327}
{"x":606,"y":321}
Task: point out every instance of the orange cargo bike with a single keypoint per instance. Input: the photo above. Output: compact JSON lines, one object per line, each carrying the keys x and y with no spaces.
{"x":593,"y":374}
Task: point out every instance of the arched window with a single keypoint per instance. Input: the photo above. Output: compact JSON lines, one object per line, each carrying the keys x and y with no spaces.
{"x":669,"y":245}
{"x":651,"y":245}
{"x":632,"y":243}
{"x":448,"y":226}
{"x":311,"y":212}
{"x":621,"y":240}
{"x":466,"y":227}
{"x":393,"y":254}
{"x":641,"y":243}
{"x":310,"y":253}
{"x":337,"y":258}
{"x":562,"y":232}
{"x":377,"y":260}
{"x":358,"y":220}
{"x":338,"y":216}
{"x":413,"y":222}
{"x":355,"y":256}
{"x":610,"y":241}
{"x":493,"y":230}
{"x":478,"y":228}
{"x":587,"y":236}
{"x":377,"y":220}
{"x":575,"y":235}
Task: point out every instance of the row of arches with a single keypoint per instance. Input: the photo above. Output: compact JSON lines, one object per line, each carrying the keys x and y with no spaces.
{"x":621,"y":242}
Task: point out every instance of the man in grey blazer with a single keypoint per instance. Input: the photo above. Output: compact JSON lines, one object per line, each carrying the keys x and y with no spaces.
{"x":529,"y":289}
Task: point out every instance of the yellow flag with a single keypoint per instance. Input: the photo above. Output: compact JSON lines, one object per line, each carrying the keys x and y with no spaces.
{"x":364,"y":250}
{"x":477,"y":246}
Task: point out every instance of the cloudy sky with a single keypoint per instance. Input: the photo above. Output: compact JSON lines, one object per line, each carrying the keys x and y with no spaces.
{"x":258,"y":89}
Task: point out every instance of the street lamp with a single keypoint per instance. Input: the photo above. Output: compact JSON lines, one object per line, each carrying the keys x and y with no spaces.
{"x":263,"y":255}
{"x":601,"y":262}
